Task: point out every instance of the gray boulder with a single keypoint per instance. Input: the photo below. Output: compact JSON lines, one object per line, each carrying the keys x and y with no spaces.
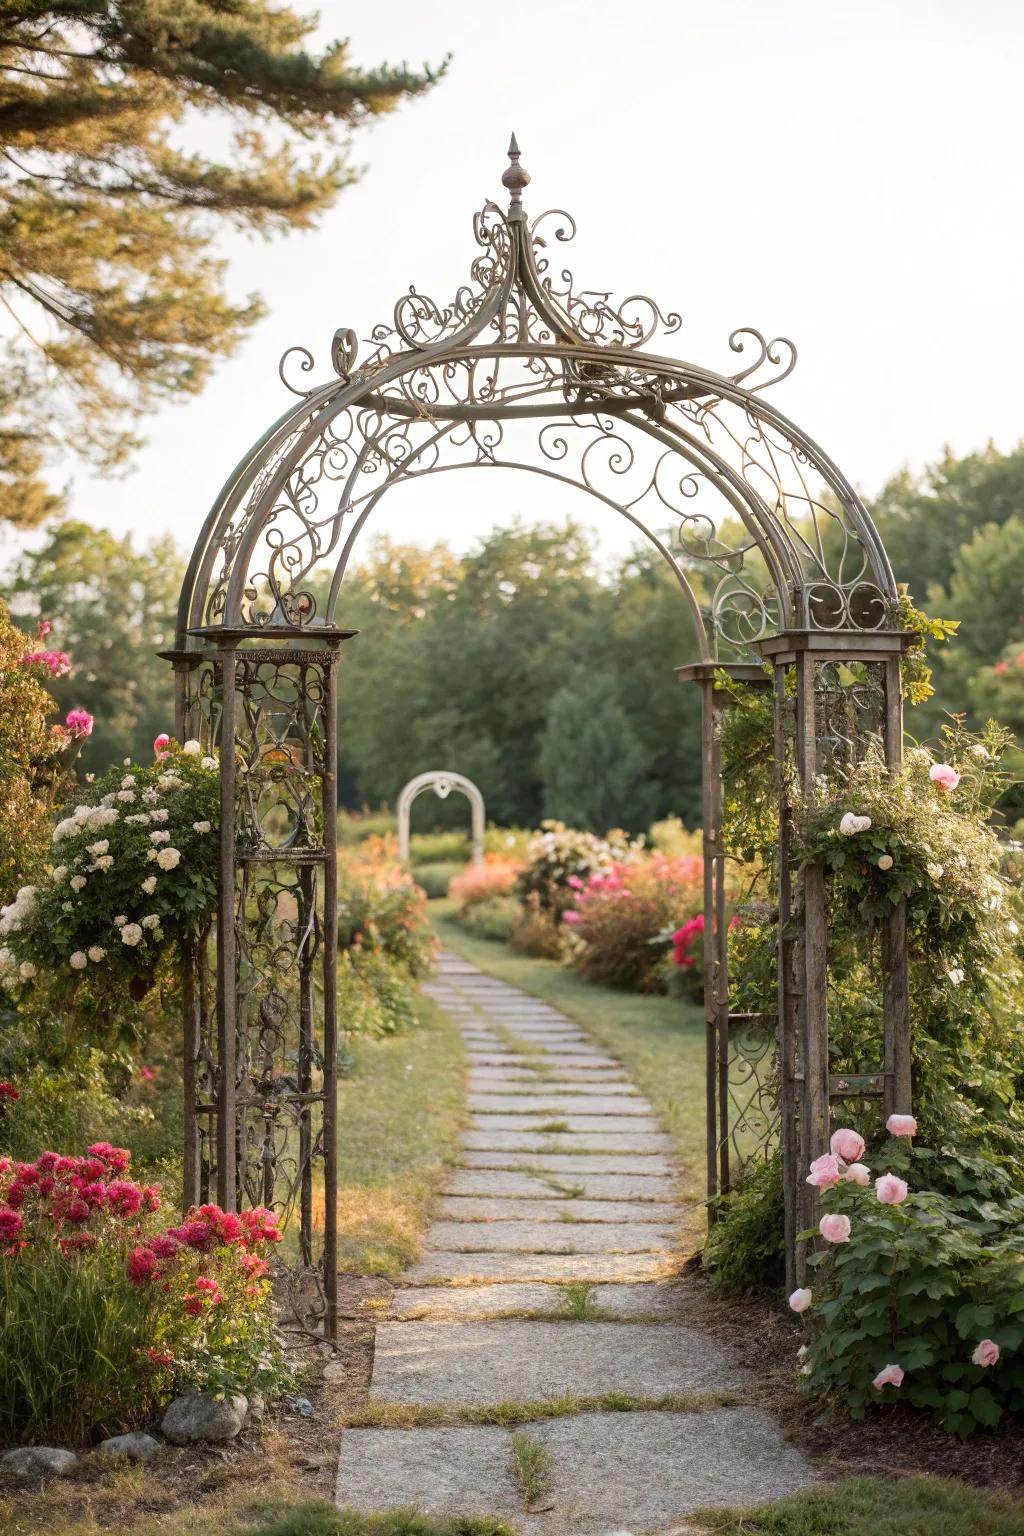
{"x":199,"y":1416}
{"x":137,"y":1446}
{"x":31,"y":1461}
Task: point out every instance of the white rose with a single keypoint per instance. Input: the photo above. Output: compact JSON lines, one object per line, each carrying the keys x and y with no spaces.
{"x":151,"y":853}
{"x":169,"y":781}
{"x":126,"y":762}
{"x":60,"y":873}
{"x":82,"y":813}
{"x":119,"y":920}
{"x":159,"y":815}
{"x":97,"y":848}
{"x":934,"y":871}
{"x":26,"y":970}
{"x":192,"y":748}
{"x":131,"y":934}
{"x":128,"y":782}
{"x":168,"y":858}
{"x":209,"y":763}
{"x":67,"y":906}
{"x":127,"y":795}
{"x":149,"y":795}
{"x":79,"y":960}
{"x":140,"y":819}
{"x":956,"y":975}
{"x":200,"y":826}
{"x":96,"y":954}
{"x":885,"y":862}
{"x":848,"y":825}
{"x":152,"y":921}
{"x":76,"y":882}
{"x":105,"y":862}
{"x":159,"y":837}
{"x":149,"y":884}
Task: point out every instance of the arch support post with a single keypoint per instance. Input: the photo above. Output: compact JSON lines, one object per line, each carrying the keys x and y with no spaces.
{"x":835,"y":692}
{"x":261,"y":1068}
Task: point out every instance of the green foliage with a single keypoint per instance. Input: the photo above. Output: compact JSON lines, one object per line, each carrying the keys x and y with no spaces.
{"x":314,"y":1519}
{"x":110,"y":224}
{"x":920,"y":1284}
{"x":356,"y":827}
{"x":590,"y":762}
{"x":375,"y":994}
{"x":112,"y":607}
{"x":385,"y":914}
{"x":495,"y":919}
{"x":875,"y":1506}
{"x":434,"y":879}
{"x":438,"y":848}
{"x":65,"y":1105}
{"x":744,"y":1251}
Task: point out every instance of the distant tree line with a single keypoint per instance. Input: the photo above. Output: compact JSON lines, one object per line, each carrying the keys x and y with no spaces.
{"x":525,"y":665}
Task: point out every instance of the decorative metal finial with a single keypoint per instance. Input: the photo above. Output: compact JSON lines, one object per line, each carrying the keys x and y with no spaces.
{"x":516,"y":176}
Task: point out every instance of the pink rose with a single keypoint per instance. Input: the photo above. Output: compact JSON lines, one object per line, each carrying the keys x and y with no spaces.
{"x":161,"y":742}
{"x":987,"y":1353}
{"x":891,"y":1376}
{"x":891,"y":1190}
{"x":944,"y":776}
{"x":835,"y":1228}
{"x":858,"y":1173}
{"x":901,"y":1125}
{"x":801,"y":1299}
{"x":79,"y":722}
{"x":824,"y":1171}
{"x":848,"y":1145}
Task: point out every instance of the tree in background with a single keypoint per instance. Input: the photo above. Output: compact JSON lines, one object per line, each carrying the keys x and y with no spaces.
{"x":112,"y":608}
{"x":591,"y":764}
{"x":113,"y":298}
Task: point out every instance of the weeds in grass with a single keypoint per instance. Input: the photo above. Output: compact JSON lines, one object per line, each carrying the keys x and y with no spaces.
{"x":578,"y":1300}
{"x":317,"y":1519}
{"x":553,"y":1128}
{"x":378,"y":1415}
{"x":531,"y":1466}
{"x":869,"y":1506}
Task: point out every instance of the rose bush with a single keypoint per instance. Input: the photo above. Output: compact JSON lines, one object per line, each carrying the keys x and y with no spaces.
{"x":105,"y":1313}
{"x":133,"y":870}
{"x":625,"y":918}
{"x":557,"y":855}
{"x":919,"y":1292}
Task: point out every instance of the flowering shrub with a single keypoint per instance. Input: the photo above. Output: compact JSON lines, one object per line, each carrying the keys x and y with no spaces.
{"x":35,"y":756}
{"x":478,"y":883}
{"x":925,"y":834}
{"x":919,"y":1293}
{"x":624,"y":918}
{"x":104,"y":1315}
{"x":134,"y":868}
{"x":375,"y":993}
{"x":558,"y":854}
{"x":380,"y":908}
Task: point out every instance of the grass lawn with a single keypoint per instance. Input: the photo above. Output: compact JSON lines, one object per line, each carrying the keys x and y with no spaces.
{"x":400,"y":1113}
{"x":660,"y":1040}
{"x":867,"y":1506}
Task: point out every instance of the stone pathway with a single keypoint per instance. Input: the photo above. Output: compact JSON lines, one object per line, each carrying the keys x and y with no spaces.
{"x":548,"y":1273}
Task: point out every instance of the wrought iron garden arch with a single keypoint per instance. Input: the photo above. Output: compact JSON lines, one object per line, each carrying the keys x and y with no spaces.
{"x":442,"y":781}
{"x":775,"y":556}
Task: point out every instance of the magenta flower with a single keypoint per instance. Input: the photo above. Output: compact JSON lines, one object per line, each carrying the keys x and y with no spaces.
{"x":11,"y":1223}
{"x":79,"y":722}
{"x":57,"y":663}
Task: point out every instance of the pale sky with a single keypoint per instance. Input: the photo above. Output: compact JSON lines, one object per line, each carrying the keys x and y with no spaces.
{"x":849,"y":175}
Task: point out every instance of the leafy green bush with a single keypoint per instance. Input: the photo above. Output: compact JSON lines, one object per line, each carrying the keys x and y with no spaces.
{"x":507,"y":842}
{"x":63,"y":1107}
{"x":438,"y":848}
{"x":434,"y":879}
{"x":103,"y":1316}
{"x":744,"y":1251}
{"x":623,"y":921}
{"x":375,"y":994}
{"x":919,"y":1295}
{"x":355,"y":827}
{"x":496,"y":919}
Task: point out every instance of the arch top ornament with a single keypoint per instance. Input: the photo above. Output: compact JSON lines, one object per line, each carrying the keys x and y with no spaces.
{"x":442,"y":781}
{"x":524,"y":368}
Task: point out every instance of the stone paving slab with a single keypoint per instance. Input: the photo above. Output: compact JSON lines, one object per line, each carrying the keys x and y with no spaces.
{"x":646,"y":1471}
{"x":527,"y":1141}
{"x":466,"y":1208}
{"x":552,"y":1236}
{"x":552,"y":1104}
{"x":582,"y":1165}
{"x":489,"y":1182}
{"x":441,"y":1363}
{"x":568,"y":1124}
{"x":525,"y":1083}
{"x":437,"y":1266}
{"x":482,"y":1301}
{"x":440,"y":1471}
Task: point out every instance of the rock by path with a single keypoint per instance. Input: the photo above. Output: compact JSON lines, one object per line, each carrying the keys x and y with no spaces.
{"x":551,"y":1273}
